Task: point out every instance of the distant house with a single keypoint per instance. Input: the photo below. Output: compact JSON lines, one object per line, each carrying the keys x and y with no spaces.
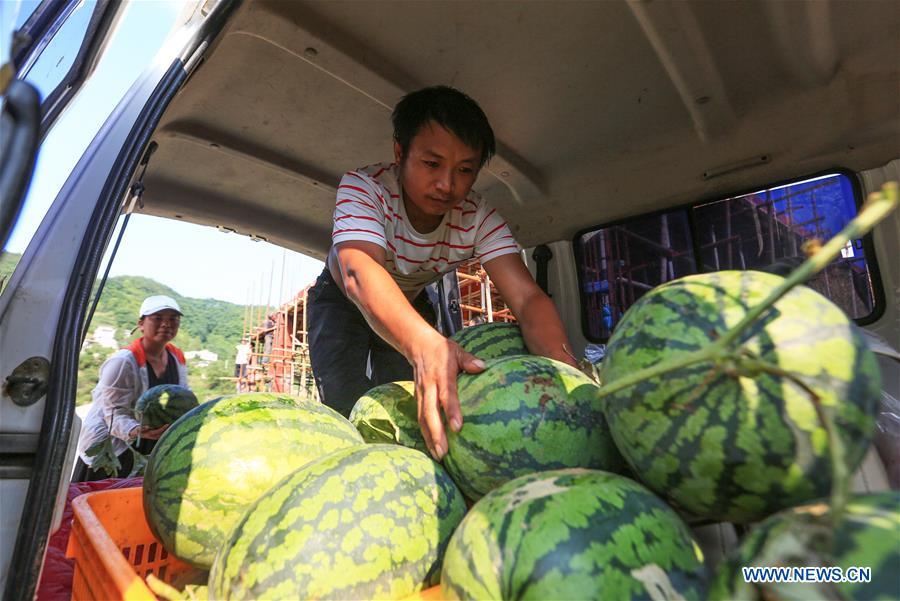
{"x":203,"y":357}
{"x":103,"y":336}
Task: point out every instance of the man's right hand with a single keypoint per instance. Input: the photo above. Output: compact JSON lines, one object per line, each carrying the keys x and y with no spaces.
{"x":436,"y":363}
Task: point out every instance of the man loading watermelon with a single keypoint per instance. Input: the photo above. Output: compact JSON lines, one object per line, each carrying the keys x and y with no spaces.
{"x":398,"y":227}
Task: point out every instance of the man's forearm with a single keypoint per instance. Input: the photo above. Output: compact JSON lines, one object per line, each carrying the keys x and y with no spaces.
{"x":385,"y":307}
{"x":543,"y":330}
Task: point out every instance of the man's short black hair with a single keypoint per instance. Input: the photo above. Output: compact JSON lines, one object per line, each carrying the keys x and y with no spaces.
{"x":449,"y":108}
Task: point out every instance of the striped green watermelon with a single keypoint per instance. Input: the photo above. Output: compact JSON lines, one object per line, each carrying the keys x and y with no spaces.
{"x":526,"y":414}
{"x":729,"y":442}
{"x":572,"y":534}
{"x":220,"y":457}
{"x":389,"y":414}
{"x":492,"y":340}
{"x":363,"y":523}
{"x":163,"y":404}
{"x":868,"y":536}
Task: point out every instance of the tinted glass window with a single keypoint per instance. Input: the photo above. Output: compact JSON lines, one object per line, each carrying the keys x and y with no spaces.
{"x":621,"y":262}
{"x":12,"y":16}
{"x":763,"y":230}
{"x":766,"y":231}
{"x":59,"y":55}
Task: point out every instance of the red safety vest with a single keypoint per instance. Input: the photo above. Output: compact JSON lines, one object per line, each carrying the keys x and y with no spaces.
{"x":137,"y":349}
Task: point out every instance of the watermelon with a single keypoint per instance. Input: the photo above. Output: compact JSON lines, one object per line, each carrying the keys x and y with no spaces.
{"x":214,"y":462}
{"x":362,"y":523}
{"x":867,"y":536}
{"x":163,"y":404}
{"x":491,"y":340}
{"x":729,"y":442}
{"x":389,"y":414}
{"x":572,"y":534}
{"x":526,"y":414}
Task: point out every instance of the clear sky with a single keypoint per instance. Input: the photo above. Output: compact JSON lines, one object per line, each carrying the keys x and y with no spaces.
{"x":195,"y":261}
{"x":203,"y":262}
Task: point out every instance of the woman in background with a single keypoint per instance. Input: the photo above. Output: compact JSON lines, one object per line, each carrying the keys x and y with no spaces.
{"x":149,"y":361}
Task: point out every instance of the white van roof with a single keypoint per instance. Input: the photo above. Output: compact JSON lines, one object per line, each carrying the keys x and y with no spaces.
{"x":602,"y":109}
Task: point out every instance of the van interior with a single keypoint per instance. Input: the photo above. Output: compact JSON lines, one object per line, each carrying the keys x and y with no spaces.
{"x":604,"y":112}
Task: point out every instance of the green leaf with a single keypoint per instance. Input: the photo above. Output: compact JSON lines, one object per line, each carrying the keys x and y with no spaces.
{"x":140,"y":463}
{"x":105,"y":458}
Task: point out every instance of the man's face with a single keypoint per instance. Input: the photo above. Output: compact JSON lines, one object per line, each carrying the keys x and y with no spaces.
{"x":437,"y":172}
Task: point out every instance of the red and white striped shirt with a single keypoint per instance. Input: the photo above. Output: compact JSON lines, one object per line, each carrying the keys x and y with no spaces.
{"x":369,"y":208}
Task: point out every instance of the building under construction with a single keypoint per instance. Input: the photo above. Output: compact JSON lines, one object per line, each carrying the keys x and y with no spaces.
{"x":278,"y":359}
{"x":479,"y":301}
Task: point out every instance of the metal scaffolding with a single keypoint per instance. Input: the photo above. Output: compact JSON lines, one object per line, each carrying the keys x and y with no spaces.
{"x":279,"y":356}
{"x":479,"y":300}
{"x":279,"y":361}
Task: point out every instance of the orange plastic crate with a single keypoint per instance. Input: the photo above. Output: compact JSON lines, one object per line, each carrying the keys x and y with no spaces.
{"x":114,"y":549}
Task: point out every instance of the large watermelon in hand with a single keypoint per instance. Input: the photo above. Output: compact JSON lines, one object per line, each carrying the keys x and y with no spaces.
{"x":163,"y":404}
{"x":388,"y":413}
{"x":365,"y":523}
{"x":868,"y":536}
{"x":526,"y":414}
{"x":221,"y":456}
{"x":731,"y":442}
{"x":491,"y":340}
{"x":572,"y":534}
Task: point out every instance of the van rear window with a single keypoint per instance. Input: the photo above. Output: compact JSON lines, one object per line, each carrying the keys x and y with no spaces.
{"x":619,"y":263}
{"x":763,"y":230}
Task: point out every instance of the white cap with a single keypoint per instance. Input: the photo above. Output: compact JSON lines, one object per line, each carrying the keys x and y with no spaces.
{"x":155,"y":304}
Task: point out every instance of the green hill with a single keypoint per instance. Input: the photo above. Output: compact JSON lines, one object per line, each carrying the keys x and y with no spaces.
{"x":8,"y":262}
{"x":208,"y":324}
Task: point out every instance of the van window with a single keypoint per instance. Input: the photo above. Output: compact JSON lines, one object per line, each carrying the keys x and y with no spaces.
{"x":766,"y":230}
{"x":138,"y":37}
{"x":763,"y":230}
{"x":619,"y":263}
{"x":13,"y":15}
{"x":58,"y":56}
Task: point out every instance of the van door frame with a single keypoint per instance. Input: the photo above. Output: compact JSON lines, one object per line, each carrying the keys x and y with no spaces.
{"x":59,"y":408}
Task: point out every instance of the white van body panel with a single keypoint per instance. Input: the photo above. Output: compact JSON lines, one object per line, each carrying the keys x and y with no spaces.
{"x":886,"y":238}
{"x":32,"y":300}
{"x":30,"y":309}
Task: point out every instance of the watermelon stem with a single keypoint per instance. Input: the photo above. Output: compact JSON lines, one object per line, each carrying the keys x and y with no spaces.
{"x":877,"y":207}
{"x":707,"y":353}
{"x":163,"y":589}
